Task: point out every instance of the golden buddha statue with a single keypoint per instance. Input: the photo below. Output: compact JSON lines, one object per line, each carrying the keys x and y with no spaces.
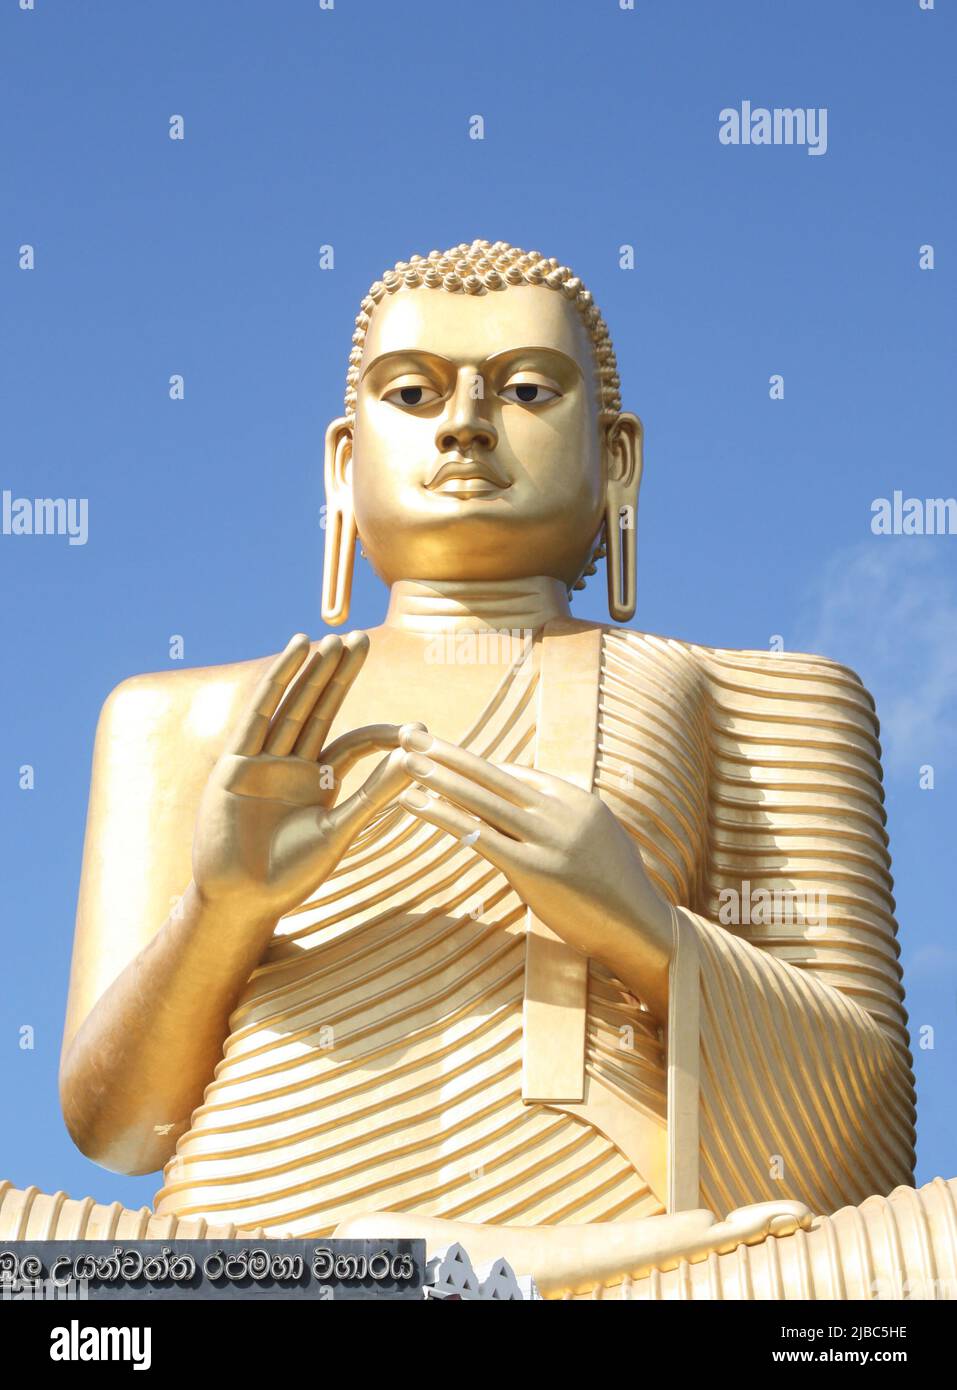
{"x":420,"y":931}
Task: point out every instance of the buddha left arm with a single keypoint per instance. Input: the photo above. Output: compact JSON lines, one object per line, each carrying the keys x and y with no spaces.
{"x":803,"y":1094}
{"x":562,"y":850}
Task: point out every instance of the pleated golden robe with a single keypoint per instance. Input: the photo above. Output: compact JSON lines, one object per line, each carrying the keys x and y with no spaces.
{"x":375,"y":1058}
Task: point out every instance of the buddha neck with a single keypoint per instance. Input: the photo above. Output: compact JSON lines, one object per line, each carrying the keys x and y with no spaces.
{"x":430,"y":606}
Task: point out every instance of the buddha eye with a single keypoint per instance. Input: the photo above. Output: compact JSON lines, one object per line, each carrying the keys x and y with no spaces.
{"x":528,"y":393}
{"x":411,"y":395}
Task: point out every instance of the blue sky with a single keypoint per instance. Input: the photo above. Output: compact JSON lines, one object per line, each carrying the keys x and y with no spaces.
{"x":306,"y":127}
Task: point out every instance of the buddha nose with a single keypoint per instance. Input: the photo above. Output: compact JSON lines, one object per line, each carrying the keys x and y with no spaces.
{"x":465,"y":426}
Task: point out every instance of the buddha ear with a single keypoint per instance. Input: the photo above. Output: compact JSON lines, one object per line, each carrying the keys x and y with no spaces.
{"x":624,"y":458}
{"x":340,"y":524}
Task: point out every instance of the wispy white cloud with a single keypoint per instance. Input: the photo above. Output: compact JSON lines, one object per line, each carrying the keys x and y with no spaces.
{"x":888,"y":609}
{"x":930,"y":963}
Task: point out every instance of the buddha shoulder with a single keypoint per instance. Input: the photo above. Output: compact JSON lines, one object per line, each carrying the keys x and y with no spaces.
{"x":160,"y":733}
{"x":742,"y":680}
{"x":196,"y":704}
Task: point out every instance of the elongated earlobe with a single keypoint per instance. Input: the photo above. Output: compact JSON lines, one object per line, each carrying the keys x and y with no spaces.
{"x":340,"y":523}
{"x":625,"y":463}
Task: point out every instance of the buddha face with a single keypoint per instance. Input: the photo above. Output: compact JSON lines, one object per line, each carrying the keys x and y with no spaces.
{"x":479,"y":449}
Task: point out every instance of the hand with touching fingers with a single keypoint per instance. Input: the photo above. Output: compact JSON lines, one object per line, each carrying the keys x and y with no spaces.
{"x":561,"y":849}
{"x":268,"y":831}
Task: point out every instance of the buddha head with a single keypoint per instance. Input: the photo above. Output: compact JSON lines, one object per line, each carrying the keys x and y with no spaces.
{"x":482,"y":437}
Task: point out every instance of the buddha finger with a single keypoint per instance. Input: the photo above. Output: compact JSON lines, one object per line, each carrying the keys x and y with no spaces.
{"x":355,"y":649}
{"x":301,"y":698}
{"x":504,"y":815}
{"x":498,"y":849}
{"x":387,"y":779}
{"x":249,"y":733}
{"x":351,"y":748}
{"x":475,"y":768}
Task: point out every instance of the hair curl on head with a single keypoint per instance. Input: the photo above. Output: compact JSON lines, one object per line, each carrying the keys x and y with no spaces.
{"x":483,"y":267}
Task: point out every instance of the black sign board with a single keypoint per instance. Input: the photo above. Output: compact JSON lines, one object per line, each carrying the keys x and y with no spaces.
{"x":156,"y":1270}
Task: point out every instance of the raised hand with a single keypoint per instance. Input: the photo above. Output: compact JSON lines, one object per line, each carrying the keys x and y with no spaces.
{"x":560,"y":847}
{"x":268,"y":831}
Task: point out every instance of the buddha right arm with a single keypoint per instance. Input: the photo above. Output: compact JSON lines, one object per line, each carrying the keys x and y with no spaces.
{"x":267,"y":834}
{"x":136,"y":1069}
